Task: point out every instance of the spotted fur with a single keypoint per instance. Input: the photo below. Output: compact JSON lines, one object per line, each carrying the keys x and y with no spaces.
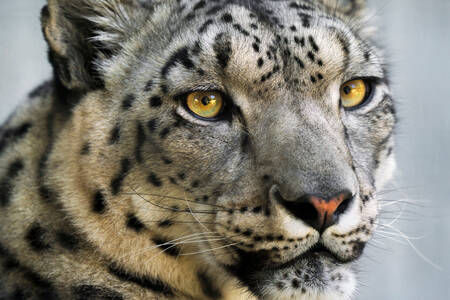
{"x":111,"y":189}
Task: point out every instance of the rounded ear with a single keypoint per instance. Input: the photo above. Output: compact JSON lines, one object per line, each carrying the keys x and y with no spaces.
{"x":82,"y":33}
{"x":351,"y":8}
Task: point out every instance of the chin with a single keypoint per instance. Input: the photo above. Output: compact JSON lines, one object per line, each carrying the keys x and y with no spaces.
{"x":315,"y":275}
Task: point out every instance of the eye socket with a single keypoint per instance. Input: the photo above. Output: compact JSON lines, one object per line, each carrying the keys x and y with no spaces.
{"x":206,"y":105}
{"x":355,"y":92}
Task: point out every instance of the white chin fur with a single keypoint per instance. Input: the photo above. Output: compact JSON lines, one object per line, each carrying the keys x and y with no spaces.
{"x":333,"y":290}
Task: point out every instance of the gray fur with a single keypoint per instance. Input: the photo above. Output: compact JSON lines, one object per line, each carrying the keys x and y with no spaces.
{"x":116,"y":155}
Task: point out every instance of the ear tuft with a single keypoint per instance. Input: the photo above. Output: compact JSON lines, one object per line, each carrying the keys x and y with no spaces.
{"x":82,"y":33}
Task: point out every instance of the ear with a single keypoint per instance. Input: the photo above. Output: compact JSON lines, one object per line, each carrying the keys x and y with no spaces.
{"x":350,"y":8}
{"x":82,"y":33}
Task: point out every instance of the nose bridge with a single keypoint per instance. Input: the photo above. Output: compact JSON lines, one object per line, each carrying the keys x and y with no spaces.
{"x":307,"y":154}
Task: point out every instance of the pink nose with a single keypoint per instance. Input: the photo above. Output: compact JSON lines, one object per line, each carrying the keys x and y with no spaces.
{"x":328,"y":211}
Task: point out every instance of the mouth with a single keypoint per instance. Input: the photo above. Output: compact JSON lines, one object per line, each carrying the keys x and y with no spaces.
{"x":310,"y":270}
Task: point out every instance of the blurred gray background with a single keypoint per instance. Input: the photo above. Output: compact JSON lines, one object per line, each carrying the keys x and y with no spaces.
{"x":416,"y":35}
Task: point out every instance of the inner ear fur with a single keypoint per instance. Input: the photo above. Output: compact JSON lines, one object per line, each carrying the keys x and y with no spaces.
{"x":82,"y":33}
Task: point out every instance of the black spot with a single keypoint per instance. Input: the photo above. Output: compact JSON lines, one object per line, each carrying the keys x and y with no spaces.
{"x":154,"y":180}
{"x":223,"y":50}
{"x":155,"y":101}
{"x":140,"y":140}
{"x":248,"y":232}
{"x":241,"y":30}
{"x":293,"y":28}
{"x":148,"y":86}
{"x":257,"y":209}
{"x":151,"y":125}
{"x":12,"y":135}
{"x":7,"y":183}
{"x":253,"y":26}
{"x":257,"y":238}
{"x":255,"y":47}
{"x":311,"y":56}
{"x":114,"y":135}
{"x":299,"y":41}
{"x":165,"y":223}
{"x":181,"y":175}
{"x":306,"y":20}
{"x":208,"y":287}
{"x":299,"y":62}
{"x":164,"y":89}
{"x":260,"y":62}
{"x":116,"y":182}
{"x":365,"y":199}
{"x":214,"y":10}
{"x":134,"y":223}
{"x":167,"y":161}
{"x":99,"y":203}
{"x":313,"y":79}
{"x":320,"y":76}
{"x":197,"y":48}
{"x":86,"y":149}
{"x":205,"y":26}
{"x":152,"y":284}
{"x":313,"y":44}
{"x":181,"y":56}
{"x":47,"y":290}
{"x":68,"y":241}
{"x":201,"y":4}
{"x":300,"y":6}
{"x":127,"y":103}
{"x":36,"y":238}
{"x":195,"y":184}
{"x":47,"y":194}
{"x":390,"y":150}
{"x":367,"y":55}
{"x":11,"y":263}
{"x":200,"y":72}
{"x":92,"y":292}
{"x":320,"y":62}
{"x":227,"y":18}
{"x":164,"y":133}
{"x":173,"y":180}
{"x":166,"y":246}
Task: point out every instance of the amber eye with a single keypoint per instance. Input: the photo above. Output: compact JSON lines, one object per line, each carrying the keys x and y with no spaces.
{"x":354,"y":93}
{"x":205,"y":105}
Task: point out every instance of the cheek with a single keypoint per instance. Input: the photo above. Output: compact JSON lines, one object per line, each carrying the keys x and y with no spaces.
{"x":209,"y":151}
{"x":385,"y":171}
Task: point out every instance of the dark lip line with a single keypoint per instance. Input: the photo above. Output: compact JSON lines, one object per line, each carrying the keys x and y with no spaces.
{"x":317,"y":249}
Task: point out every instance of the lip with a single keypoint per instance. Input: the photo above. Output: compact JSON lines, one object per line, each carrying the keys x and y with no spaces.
{"x":254,"y":262}
{"x":314,"y":253}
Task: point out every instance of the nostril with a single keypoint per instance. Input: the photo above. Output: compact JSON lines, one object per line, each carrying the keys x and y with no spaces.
{"x":304,"y":211}
{"x":343,"y":206}
{"x":301,"y":208}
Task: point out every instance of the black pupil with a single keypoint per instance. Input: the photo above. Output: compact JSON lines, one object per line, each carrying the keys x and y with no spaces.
{"x":347,"y":90}
{"x":205,"y":100}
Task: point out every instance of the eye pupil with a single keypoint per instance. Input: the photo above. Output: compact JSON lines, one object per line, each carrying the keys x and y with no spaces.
{"x":206,"y":100}
{"x":347,"y":90}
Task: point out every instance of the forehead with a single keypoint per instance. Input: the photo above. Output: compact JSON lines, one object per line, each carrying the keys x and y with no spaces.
{"x":264,"y":43}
